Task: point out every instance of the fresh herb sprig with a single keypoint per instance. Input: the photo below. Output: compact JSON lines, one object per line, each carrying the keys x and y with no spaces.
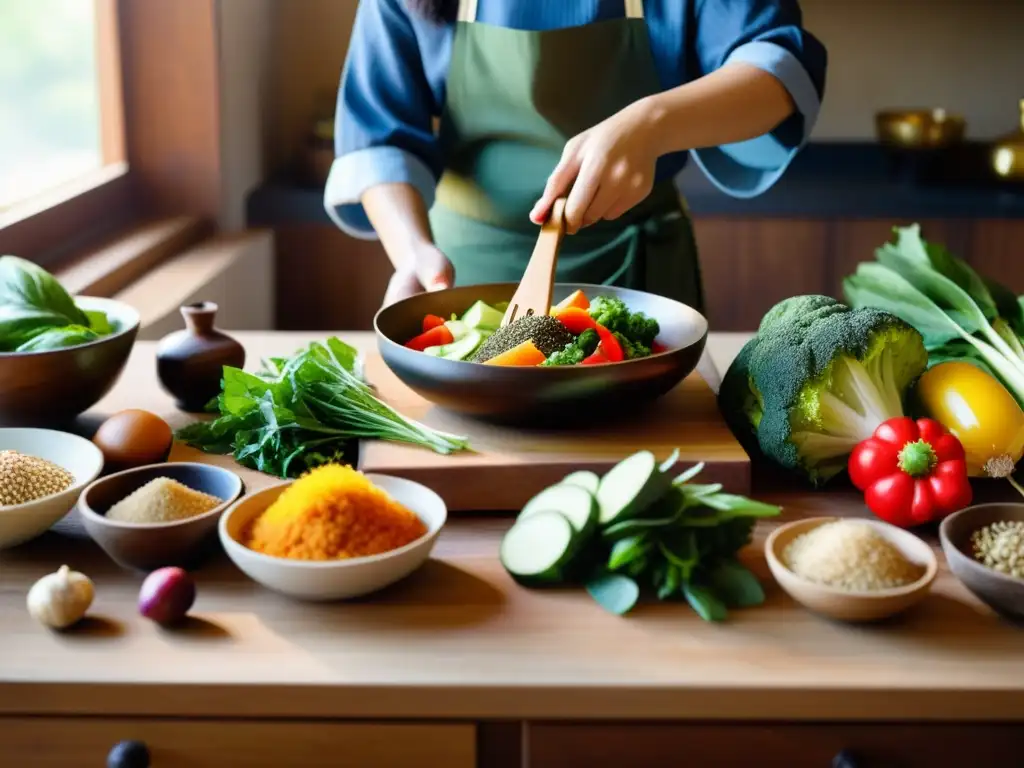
{"x":688,"y":552}
{"x":637,"y":530}
{"x":299,"y":412}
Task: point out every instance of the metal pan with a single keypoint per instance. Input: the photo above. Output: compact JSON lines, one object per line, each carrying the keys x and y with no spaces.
{"x":542,"y":396}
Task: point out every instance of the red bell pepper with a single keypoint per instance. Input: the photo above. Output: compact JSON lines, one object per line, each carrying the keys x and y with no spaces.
{"x":610,"y":346}
{"x":430,"y":322}
{"x":911,"y":472}
{"x":595,"y":359}
{"x":657,"y":347}
{"x":435,"y":337}
{"x":577,"y":320}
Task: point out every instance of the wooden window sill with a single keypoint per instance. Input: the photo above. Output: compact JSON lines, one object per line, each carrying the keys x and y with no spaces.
{"x":127,"y":258}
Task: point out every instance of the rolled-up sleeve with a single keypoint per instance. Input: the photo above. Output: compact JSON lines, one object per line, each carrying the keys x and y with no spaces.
{"x":383,"y":123}
{"x":767,"y":34}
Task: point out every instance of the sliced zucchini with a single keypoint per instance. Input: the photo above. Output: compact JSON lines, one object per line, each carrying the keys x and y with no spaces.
{"x":588,"y":481}
{"x":538,"y":548}
{"x":630,"y":487}
{"x":458,"y":328}
{"x":462,"y":348}
{"x":482,"y":316}
{"x":576,"y":504}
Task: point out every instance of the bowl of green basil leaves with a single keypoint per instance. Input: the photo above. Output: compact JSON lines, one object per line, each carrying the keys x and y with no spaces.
{"x":58,"y":354}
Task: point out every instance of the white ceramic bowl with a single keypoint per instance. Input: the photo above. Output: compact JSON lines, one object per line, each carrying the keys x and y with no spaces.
{"x":77,"y":455}
{"x":335,"y":579}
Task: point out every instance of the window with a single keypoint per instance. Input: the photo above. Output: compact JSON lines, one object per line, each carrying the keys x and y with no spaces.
{"x":99,"y":113}
{"x":51,"y":121}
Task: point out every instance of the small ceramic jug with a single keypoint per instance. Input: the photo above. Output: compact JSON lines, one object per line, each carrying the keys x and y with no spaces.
{"x":190,"y":362}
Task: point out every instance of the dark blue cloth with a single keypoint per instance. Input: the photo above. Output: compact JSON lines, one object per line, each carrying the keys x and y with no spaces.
{"x":394,"y":81}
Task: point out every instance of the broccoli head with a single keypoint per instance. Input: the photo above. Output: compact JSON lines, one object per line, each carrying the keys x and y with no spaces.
{"x":817,"y":379}
{"x":576,"y":350}
{"x":613,"y":314}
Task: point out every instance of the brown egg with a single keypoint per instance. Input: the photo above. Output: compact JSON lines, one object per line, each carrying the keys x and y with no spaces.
{"x":134,"y":438}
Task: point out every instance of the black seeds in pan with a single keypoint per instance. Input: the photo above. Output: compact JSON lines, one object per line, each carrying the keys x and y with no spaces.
{"x":546,"y":332}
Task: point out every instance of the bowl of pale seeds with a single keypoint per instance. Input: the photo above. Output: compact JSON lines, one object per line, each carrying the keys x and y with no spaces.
{"x":984,"y":546}
{"x":42,"y":474}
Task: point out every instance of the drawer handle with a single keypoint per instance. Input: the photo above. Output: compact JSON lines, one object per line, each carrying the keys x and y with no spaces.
{"x":128,"y":754}
{"x":845,"y":759}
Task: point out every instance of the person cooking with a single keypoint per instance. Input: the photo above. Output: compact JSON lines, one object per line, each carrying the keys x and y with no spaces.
{"x":597,"y":100}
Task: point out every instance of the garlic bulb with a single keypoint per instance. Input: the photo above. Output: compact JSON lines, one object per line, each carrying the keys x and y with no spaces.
{"x":60,"y":599}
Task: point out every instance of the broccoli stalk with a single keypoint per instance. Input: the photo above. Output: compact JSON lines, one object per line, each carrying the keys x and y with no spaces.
{"x":818,"y":379}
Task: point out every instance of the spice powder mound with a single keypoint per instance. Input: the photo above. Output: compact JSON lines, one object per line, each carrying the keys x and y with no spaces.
{"x":26,"y":478}
{"x":333,"y":513}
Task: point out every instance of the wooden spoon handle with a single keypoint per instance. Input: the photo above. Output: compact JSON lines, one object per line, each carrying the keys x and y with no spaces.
{"x":537,"y":285}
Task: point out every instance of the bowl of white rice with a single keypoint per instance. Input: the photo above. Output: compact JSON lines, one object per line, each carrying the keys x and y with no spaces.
{"x":851,"y":569}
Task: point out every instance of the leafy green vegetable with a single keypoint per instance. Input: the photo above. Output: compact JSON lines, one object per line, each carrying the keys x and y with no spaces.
{"x":303,"y":411}
{"x":59,"y":338}
{"x":36,"y":313}
{"x":817,"y":379}
{"x":616,"y":593}
{"x":613,"y":314}
{"x":681,"y":545}
{"x":575,"y":351}
{"x":960,"y":314}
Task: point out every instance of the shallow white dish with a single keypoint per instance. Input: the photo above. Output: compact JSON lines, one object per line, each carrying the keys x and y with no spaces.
{"x":335,"y":579}
{"x":77,"y":455}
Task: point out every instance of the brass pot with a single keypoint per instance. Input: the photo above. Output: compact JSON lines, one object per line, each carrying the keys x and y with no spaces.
{"x":919,"y":128}
{"x":1008,"y":153}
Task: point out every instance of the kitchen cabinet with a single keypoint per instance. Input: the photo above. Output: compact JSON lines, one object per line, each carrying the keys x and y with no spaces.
{"x":614,"y":745}
{"x":75,"y":742}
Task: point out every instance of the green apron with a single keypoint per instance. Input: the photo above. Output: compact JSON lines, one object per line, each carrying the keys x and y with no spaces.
{"x":514,"y":98}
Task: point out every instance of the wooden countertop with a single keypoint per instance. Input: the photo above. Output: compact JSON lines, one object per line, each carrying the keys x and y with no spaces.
{"x":459,"y":640}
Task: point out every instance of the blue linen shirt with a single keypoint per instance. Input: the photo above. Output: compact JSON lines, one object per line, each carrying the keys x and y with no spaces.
{"x":393,"y":85}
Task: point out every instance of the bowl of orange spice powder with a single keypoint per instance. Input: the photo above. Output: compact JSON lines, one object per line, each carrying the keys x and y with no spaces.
{"x":334,"y":533}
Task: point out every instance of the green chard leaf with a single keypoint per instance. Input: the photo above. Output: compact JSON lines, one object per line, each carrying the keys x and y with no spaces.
{"x":736,"y":585}
{"x":705,"y":603}
{"x":614,"y":592}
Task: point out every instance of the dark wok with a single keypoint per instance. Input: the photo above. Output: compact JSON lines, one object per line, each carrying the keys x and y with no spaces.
{"x":534,"y":396}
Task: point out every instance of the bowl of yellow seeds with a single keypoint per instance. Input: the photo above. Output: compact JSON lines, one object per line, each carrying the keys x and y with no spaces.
{"x":984,"y":546}
{"x":42,"y":474}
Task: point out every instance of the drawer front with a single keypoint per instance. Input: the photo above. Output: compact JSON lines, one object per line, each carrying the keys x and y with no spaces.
{"x":81,"y":742}
{"x":792,"y":746}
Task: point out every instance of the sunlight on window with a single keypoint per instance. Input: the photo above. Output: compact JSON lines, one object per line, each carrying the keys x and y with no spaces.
{"x":49,"y":96}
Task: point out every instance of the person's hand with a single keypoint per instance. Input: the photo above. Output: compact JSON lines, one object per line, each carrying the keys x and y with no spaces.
{"x":609,"y":168}
{"x":426,"y":270}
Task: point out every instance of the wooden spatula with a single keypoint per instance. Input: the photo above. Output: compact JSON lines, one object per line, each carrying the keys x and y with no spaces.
{"x":533,"y":296}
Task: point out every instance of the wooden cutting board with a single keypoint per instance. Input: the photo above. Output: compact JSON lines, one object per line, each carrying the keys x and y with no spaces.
{"x":507,"y":466}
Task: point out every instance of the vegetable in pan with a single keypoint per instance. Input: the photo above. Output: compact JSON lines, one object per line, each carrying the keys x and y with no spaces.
{"x":577,"y":332}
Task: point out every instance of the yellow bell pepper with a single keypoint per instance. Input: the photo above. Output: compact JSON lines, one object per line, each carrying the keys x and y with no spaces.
{"x":979,"y":410}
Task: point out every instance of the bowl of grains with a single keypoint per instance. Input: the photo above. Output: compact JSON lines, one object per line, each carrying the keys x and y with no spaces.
{"x":851,"y":569}
{"x":158,"y":515}
{"x":42,"y":474}
{"x":984,"y":546}
{"x":334,"y":533}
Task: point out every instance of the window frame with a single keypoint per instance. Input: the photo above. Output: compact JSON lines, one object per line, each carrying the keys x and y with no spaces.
{"x":160,"y":131}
